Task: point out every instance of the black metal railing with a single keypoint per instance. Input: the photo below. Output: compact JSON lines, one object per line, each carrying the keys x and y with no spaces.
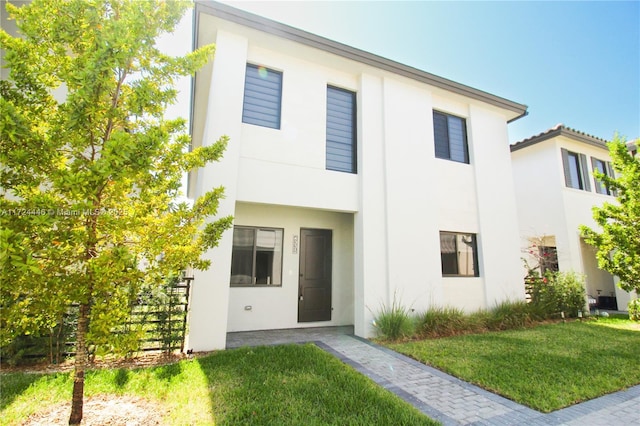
{"x":160,"y":317}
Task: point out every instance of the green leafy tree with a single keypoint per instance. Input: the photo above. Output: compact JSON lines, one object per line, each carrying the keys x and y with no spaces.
{"x":91,"y":169}
{"x":618,"y":244}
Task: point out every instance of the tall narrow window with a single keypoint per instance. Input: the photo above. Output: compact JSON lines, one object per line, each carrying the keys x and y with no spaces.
{"x":450,"y":135}
{"x":256,"y":258}
{"x":459,"y":254}
{"x":341,"y":130}
{"x":262,"y":97}
{"x":605,"y":168}
{"x":575,"y":170}
{"x":575,"y":174}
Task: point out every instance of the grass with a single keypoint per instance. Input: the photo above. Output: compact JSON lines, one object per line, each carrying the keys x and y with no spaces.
{"x":290,"y":384}
{"x":547,"y":367}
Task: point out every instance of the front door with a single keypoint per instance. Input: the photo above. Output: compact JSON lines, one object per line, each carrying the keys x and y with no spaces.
{"x":314,"y":285}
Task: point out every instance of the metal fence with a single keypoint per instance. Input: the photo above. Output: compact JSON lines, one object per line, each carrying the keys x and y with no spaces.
{"x":160,"y":316}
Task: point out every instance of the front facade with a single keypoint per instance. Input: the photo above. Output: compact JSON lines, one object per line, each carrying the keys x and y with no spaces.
{"x":352,"y":180}
{"x":556,"y":191}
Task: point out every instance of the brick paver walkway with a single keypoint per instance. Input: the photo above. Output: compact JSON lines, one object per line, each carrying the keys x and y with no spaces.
{"x":444,"y":397}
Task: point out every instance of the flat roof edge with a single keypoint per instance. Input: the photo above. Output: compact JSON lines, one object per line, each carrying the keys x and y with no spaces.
{"x":294,"y":34}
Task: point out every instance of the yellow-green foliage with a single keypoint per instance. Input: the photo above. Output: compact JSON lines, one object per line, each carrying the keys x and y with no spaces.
{"x":91,"y":178}
{"x":634,"y":310}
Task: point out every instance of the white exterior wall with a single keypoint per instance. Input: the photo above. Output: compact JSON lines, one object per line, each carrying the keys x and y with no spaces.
{"x":538,"y":179}
{"x":577,"y":204}
{"x":371,"y":225}
{"x":578,"y":211}
{"x":210,"y":292}
{"x":497,"y":218}
{"x":548,"y":208}
{"x":413,"y":247}
{"x":287,"y":166}
{"x":277,"y":306}
{"x":385,"y":219}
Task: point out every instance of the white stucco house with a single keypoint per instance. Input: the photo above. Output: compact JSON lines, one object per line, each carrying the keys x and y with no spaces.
{"x":352,"y":179}
{"x":555,"y":192}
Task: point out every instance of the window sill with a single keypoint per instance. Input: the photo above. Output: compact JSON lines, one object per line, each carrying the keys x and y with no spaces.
{"x":453,"y":161}
{"x":254,"y":285}
{"x":461,"y":276}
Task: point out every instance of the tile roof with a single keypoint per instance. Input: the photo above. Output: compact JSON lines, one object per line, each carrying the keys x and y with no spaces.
{"x":560,"y":130}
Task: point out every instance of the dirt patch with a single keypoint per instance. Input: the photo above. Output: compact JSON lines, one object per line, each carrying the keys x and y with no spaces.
{"x":107,"y":410}
{"x":150,"y":359}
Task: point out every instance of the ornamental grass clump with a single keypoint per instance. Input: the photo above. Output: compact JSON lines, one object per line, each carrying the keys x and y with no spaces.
{"x":509,"y":315}
{"x":442,"y":321}
{"x":394,"y":322}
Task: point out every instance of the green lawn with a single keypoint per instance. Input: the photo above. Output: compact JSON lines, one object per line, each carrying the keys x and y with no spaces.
{"x":291,"y":384}
{"x":547,"y":367}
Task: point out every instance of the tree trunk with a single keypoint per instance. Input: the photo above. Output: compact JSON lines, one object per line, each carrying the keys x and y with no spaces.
{"x":82,"y":355}
{"x":80,"y":366}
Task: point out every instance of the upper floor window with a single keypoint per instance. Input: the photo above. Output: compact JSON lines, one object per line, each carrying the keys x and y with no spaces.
{"x":575,"y":170}
{"x":341,"y":130}
{"x":459,"y":254}
{"x":262,"y":97}
{"x":605,"y":168}
{"x":450,"y":134}
{"x":256,"y":258}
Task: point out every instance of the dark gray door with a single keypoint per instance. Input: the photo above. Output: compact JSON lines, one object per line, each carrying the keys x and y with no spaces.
{"x":314,"y":288}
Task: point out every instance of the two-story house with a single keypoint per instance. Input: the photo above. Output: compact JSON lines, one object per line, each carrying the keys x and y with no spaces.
{"x":556,"y":191}
{"x":353,"y":180}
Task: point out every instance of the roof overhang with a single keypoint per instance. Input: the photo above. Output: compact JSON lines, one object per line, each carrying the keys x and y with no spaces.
{"x":269,"y":26}
{"x":560,"y":130}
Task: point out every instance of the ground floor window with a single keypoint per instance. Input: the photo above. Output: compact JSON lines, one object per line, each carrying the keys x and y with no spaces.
{"x":548,"y":259}
{"x":257,"y":256}
{"x":459,"y":254}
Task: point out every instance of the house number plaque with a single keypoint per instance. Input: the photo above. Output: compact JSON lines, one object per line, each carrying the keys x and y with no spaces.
{"x":295,"y":245}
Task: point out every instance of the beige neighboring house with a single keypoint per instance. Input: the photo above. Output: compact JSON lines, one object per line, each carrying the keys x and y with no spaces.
{"x":555,"y":194}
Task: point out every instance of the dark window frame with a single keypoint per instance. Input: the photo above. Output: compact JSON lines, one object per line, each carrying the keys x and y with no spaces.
{"x":607,"y":170}
{"x":249,"y":115}
{"x":354,"y":131}
{"x":580,"y":161}
{"x":444,"y":261}
{"x":254,"y":253}
{"x":443,"y":147}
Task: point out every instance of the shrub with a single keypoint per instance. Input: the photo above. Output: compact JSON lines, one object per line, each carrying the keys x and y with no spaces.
{"x":570,"y":293}
{"x":555,"y":293}
{"x":395,"y":322}
{"x":634,"y":309}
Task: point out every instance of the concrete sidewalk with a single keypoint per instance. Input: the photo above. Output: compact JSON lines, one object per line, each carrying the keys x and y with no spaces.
{"x":439,"y":395}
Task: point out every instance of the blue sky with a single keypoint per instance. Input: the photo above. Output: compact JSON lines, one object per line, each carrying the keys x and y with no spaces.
{"x":576,"y":62}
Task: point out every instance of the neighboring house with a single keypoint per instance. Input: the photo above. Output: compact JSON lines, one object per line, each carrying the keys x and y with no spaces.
{"x":354,"y":181}
{"x":556,"y":191}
